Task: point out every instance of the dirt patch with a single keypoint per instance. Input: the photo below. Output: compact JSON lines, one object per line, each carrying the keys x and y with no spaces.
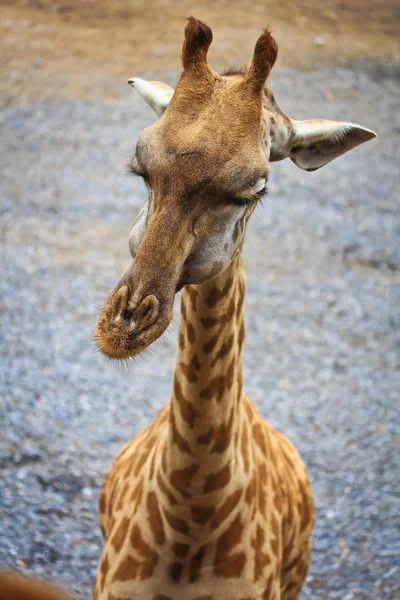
{"x":89,"y":49}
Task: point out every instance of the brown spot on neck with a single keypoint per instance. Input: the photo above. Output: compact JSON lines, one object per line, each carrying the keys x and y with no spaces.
{"x":195,"y":565}
{"x":181,"y":479}
{"x":119,"y":535}
{"x":175,"y":571}
{"x":155,"y":518}
{"x":217,"y":481}
{"x":216,"y":294}
{"x":226,"y":508}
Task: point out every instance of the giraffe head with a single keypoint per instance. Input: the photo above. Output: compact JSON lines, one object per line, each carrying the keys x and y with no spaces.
{"x":205,"y":162}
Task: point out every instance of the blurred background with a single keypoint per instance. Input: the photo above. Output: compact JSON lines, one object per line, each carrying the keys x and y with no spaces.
{"x":322,"y":258}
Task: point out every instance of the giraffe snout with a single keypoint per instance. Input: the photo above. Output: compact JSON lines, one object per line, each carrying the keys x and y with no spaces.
{"x":126,"y":326}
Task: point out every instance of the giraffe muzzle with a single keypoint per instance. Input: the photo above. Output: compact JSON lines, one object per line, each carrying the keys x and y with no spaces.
{"x":126,"y":326}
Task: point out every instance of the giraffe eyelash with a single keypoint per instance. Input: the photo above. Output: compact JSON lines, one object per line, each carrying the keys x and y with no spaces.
{"x":252,"y":200}
{"x":259,"y":196}
{"x":135,"y":172}
{"x":132,"y":170}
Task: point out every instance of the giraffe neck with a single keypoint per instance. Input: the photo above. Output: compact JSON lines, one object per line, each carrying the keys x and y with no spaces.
{"x":205,"y":417}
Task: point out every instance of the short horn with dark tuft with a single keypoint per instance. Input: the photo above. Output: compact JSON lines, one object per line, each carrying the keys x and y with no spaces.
{"x":264,"y":57}
{"x":198,"y":38}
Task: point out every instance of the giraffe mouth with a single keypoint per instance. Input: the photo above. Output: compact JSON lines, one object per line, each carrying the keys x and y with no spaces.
{"x":127,"y":327}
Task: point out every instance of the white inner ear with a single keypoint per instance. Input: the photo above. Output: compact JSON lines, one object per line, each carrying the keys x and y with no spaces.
{"x":316,"y":142}
{"x":156,"y":94}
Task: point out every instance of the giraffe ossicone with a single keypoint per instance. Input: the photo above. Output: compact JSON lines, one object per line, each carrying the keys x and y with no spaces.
{"x":209,"y":502}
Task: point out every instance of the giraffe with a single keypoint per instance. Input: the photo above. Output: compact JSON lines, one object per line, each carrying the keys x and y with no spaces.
{"x":208,"y":502}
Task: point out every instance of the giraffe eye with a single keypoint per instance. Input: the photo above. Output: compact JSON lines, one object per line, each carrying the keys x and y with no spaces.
{"x":136,"y":168}
{"x":253,"y":193}
{"x":133,"y":167}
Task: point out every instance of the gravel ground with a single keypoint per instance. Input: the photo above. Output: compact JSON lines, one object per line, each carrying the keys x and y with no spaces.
{"x":322,"y":305}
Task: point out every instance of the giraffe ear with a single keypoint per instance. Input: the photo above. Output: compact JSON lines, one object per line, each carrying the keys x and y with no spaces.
{"x":315,"y":143}
{"x":156,"y":94}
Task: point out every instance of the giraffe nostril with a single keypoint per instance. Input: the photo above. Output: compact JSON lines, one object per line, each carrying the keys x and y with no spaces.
{"x":120,"y":303}
{"x":136,"y":317}
{"x":146,"y":313}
